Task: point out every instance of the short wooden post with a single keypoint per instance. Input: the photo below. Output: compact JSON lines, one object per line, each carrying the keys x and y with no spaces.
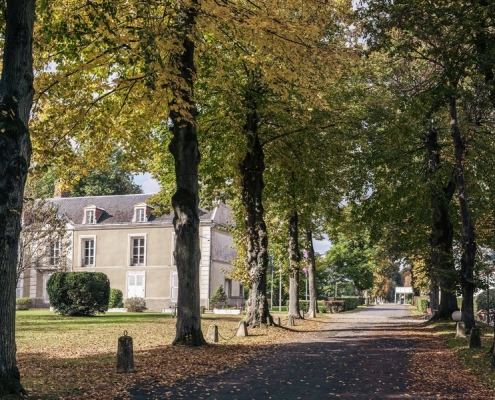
{"x":461,"y":330}
{"x":475,"y":338}
{"x":290,"y":320}
{"x":125,"y":354}
{"x":212,"y":334}
{"x":277,"y":321}
{"x":242,"y":329}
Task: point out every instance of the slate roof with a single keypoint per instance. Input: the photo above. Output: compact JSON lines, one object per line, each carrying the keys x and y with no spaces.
{"x":119,"y":209}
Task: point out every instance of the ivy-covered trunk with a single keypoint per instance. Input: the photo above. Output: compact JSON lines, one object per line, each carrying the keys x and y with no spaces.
{"x":185,"y":201}
{"x":313,"y":295}
{"x":294,"y":258}
{"x":468,"y":243}
{"x":16,"y":98}
{"x":252,"y":168}
{"x":443,"y":273}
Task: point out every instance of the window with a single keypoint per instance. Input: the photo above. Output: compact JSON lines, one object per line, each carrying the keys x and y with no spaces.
{"x":135,"y":284}
{"x":228,"y":287}
{"x":46,"y":298}
{"x":54,"y":259}
{"x":142,"y":212}
{"x":90,"y":216}
{"x":174,"y":287}
{"x":140,"y":215}
{"x":138,"y":251}
{"x":174,"y":244}
{"x":88,"y":259}
{"x":19,"y":288}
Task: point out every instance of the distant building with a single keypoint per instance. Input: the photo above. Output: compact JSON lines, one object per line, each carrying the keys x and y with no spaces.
{"x":123,"y":238}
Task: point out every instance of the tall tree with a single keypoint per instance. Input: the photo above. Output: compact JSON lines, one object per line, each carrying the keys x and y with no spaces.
{"x":16,"y":96}
{"x":185,"y":201}
{"x":444,"y":36}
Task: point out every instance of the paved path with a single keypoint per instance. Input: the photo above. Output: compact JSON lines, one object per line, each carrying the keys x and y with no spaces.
{"x":359,"y":356}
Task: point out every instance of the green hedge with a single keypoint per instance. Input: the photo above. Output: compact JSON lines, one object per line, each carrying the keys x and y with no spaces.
{"x":79,"y":293}
{"x":422,"y":304}
{"x":116,"y":299}
{"x":23,"y":303}
{"x":340,"y":304}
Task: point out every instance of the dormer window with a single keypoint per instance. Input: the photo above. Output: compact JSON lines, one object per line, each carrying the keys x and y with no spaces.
{"x":142,"y":212}
{"x":92,"y":214}
{"x":90,"y":217}
{"x":140,"y":215}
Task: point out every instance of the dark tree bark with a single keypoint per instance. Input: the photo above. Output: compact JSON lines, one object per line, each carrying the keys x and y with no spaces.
{"x":483,"y":42}
{"x":468,"y":243}
{"x":313,"y":295}
{"x":294,"y":258}
{"x":185,"y":201}
{"x":252,"y":168}
{"x":16,"y":98}
{"x":443,"y":273}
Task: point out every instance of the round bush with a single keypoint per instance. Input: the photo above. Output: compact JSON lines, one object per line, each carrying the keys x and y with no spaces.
{"x":135,"y":304}
{"x":116,"y":298}
{"x":79,"y":293}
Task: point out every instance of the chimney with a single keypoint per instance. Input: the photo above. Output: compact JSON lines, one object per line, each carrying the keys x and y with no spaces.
{"x":58,"y":191}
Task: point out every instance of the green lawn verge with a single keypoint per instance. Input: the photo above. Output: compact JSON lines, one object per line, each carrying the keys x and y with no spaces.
{"x":475,"y":360}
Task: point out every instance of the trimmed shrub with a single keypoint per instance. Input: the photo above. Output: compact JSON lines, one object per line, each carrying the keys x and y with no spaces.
{"x":115,"y":300}
{"x":135,"y":304}
{"x":422,"y":304}
{"x":350,"y":303}
{"x":79,"y":293}
{"x":23,"y":303}
{"x":304,"y":305}
{"x":219,"y":299}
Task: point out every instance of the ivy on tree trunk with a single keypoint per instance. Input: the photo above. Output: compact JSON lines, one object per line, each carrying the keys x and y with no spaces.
{"x":443,"y":273}
{"x":16,"y":97}
{"x":252,"y":168}
{"x":185,"y":201}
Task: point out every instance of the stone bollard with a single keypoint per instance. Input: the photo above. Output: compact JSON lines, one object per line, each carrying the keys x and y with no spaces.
{"x":277,"y":321}
{"x":242,"y":329}
{"x":461,"y":330}
{"x":125,"y":354}
{"x":212,"y":334}
{"x":475,"y":338}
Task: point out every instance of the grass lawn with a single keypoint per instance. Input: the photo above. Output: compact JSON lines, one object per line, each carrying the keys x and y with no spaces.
{"x":74,"y":357}
{"x":476,"y":360}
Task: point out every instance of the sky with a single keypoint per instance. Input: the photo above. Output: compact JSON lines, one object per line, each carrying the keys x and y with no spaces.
{"x":150,"y":186}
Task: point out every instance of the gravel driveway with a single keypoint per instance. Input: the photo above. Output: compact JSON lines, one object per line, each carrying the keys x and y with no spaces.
{"x":356,"y":356}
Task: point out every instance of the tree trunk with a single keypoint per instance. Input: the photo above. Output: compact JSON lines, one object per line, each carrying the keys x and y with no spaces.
{"x":294,"y":258}
{"x":185,"y":201}
{"x":16,"y":98}
{"x":468,"y":243}
{"x":252,"y":168}
{"x":443,"y":271}
{"x":434,"y":293}
{"x":313,"y":297}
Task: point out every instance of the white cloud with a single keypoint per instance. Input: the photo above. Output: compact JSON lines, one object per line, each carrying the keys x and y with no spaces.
{"x":322,"y":246}
{"x":147,"y":183}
